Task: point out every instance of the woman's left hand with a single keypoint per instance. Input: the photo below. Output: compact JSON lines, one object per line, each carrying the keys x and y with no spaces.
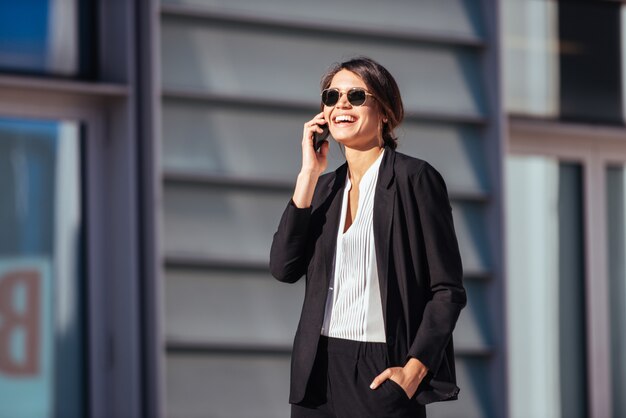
{"x":408,"y":377}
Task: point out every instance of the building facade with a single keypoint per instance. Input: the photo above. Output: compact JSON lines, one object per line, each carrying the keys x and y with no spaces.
{"x":148,"y":148}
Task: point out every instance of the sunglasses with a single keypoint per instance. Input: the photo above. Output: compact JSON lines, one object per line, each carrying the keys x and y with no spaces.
{"x":356,"y":96}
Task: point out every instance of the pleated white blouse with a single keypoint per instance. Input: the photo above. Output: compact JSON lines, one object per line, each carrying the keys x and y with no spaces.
{"x":353,"y":306}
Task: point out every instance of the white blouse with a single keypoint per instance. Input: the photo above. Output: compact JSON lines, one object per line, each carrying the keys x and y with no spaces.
{"x":353,"y":305}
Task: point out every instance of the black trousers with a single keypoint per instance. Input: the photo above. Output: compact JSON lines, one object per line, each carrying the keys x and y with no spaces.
{"x":339,"y":384}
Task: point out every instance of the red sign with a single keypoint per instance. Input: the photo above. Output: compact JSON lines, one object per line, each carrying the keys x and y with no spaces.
{"x":26,"y":338}
{"x":25,"y":320}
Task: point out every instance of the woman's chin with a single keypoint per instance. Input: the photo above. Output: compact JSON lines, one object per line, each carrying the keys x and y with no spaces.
{"x":356,"y":143}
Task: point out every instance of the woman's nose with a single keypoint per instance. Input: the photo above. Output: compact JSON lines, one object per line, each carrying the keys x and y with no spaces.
{"x":343,"y":100}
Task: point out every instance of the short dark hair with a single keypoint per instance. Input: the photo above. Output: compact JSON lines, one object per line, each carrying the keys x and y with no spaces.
{"x":381,"y":84}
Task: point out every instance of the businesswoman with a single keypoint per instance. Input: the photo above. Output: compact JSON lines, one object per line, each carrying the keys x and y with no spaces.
{"x":376,"y":242}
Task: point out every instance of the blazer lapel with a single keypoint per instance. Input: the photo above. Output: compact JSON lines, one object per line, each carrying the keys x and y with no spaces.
{"x":384,"y":201}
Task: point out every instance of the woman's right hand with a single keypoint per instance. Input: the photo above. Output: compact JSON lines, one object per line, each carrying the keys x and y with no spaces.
{"x":313,"y":163}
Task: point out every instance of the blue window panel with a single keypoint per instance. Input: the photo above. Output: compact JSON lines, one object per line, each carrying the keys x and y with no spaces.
{"x":39,"y":36}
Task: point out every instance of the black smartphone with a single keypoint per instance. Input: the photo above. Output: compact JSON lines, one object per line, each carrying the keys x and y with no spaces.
{"x":319,"y":138}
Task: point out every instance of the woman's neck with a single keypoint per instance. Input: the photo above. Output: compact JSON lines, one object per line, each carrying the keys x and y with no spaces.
{"x":360,"y":160}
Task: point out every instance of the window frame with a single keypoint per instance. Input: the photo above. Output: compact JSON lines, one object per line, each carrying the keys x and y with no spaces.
{"x":113,"y":334}
{"x":594,"y":147}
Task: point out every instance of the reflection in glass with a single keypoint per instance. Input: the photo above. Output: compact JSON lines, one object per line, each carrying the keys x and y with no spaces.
{"x":616,"y":232}
{"x":545,"y":288}
{"x":551,"y":55}
{"x":531,"y":60}
{"x":41,"y":343}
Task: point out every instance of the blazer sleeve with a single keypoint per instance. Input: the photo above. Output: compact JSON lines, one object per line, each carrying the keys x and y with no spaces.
{"x":289,"y":246}
{"x":444,"y":266}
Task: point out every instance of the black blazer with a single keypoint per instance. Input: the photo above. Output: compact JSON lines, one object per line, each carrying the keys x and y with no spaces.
{"x":419,"y":269}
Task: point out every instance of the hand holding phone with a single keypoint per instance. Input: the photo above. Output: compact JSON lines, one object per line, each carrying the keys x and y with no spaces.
{"x":319,"y":138}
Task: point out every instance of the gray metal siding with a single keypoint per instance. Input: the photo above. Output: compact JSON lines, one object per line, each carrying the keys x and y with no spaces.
{"x":238,"y":82}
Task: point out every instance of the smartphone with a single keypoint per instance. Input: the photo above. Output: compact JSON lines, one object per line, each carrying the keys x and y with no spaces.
{"x":319,"y":138}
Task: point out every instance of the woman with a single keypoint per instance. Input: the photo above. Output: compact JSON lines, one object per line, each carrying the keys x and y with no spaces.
{"x":376,"y":241}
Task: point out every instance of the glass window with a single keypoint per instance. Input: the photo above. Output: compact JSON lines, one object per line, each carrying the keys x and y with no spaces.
{"x":42,"y":36}
{"x":552,"y":52}
{"x":530,"y":54}
{"x":616,"y":232}
{"x":41,"y":340}
{"x":545,"y":288}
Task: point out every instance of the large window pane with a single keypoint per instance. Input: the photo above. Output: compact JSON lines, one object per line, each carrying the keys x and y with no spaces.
{"x":41,"y":341}
{"x":41,"y":36}
{"x":530,"y":54}
{"x":545,"y":288}
{"x":589,"y":34}
{"x":616,"y":230}
{"x":552,"y":52}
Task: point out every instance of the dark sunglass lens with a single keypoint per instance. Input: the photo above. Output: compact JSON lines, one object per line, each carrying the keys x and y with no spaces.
{"x":356,"y":97}
{"x":330,"y":97}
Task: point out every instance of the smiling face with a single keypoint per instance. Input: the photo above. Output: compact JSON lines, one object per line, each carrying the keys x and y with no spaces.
{"x":355,"y":127}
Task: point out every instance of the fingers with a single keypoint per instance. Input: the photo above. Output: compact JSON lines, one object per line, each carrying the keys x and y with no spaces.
{"x":313,"y":126}
{"x":317,"y":120}
{"x":378,"y":380}
{"x":313,"y":161}
{"x":324,"y":148}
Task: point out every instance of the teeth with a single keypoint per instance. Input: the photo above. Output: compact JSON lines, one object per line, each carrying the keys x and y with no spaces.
{"x":344,"y":118}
